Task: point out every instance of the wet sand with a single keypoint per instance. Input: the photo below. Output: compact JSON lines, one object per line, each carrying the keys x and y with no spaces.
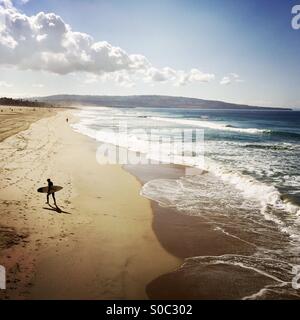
{"x":196,"y":240}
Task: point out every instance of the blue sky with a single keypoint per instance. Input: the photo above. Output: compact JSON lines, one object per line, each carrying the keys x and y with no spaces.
{"x":249,"y":43}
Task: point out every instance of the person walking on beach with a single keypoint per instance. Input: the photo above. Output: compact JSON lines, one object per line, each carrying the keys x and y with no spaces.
{"x":50,"y":187}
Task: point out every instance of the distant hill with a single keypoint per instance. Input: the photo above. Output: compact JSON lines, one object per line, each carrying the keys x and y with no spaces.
{"x":22,"y":103}
{"x":154,"y":101}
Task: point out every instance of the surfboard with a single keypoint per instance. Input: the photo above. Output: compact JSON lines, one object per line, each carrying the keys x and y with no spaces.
{"x":53,"y":189}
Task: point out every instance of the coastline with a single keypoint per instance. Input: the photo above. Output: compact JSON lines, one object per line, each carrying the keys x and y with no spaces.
{"x":101,"y":246}
{"x":108,"y":241}
{"x":204,"y":274}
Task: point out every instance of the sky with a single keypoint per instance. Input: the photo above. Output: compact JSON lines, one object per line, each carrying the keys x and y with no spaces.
{"x":239,"y":51}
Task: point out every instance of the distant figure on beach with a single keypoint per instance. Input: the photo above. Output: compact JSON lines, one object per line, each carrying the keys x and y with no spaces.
{"x":67,"y":120}
{"x":50,"y":186}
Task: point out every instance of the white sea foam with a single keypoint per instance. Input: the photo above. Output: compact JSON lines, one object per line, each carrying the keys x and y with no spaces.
{"x":264,"y":197}
{"x":210,"y":125}
{"x":276,"y":270}
{"x":265,"y":194}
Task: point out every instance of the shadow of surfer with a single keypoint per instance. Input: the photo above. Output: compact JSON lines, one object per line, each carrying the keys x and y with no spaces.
{"x":56,"y":209}
{"x":53,"y":208}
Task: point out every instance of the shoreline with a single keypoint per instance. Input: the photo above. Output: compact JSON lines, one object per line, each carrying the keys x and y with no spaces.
{"x":200,"y":245}
{"x":108,"y":241}
{"x":101,"y":246}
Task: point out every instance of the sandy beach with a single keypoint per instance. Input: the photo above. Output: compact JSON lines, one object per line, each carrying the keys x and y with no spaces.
{"x":106,"y":241}
{"x":101,"y":244}
{"x":166,"y":135}
{"x":16,"y":119}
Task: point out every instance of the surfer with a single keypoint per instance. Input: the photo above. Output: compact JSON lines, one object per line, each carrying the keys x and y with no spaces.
{"x":50,"y":186}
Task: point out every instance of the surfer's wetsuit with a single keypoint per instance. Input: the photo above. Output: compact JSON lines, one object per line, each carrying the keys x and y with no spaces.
{"x":50,"y":185}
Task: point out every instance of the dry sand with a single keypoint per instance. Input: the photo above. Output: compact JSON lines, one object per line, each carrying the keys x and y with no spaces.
{"x":101,"y":246}
{"x":16,"y":119}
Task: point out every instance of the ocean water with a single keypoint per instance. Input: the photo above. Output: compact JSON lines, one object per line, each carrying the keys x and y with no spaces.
{"x":249,"y":186}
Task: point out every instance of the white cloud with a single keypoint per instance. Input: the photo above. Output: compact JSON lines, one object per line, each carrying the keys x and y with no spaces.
{"x":225,"y":81}
{"x":45,"y":42}
{"x":236,"y":77}
{"x":121,"y":78}
{"x":124,"y":80}
{"x":6,"y":3}
{"x":178,"y":77}
{"x":194,"y":75}
{"x":159,"y":75}
{"x":231,"y":78}
{"x":4,"y":84}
